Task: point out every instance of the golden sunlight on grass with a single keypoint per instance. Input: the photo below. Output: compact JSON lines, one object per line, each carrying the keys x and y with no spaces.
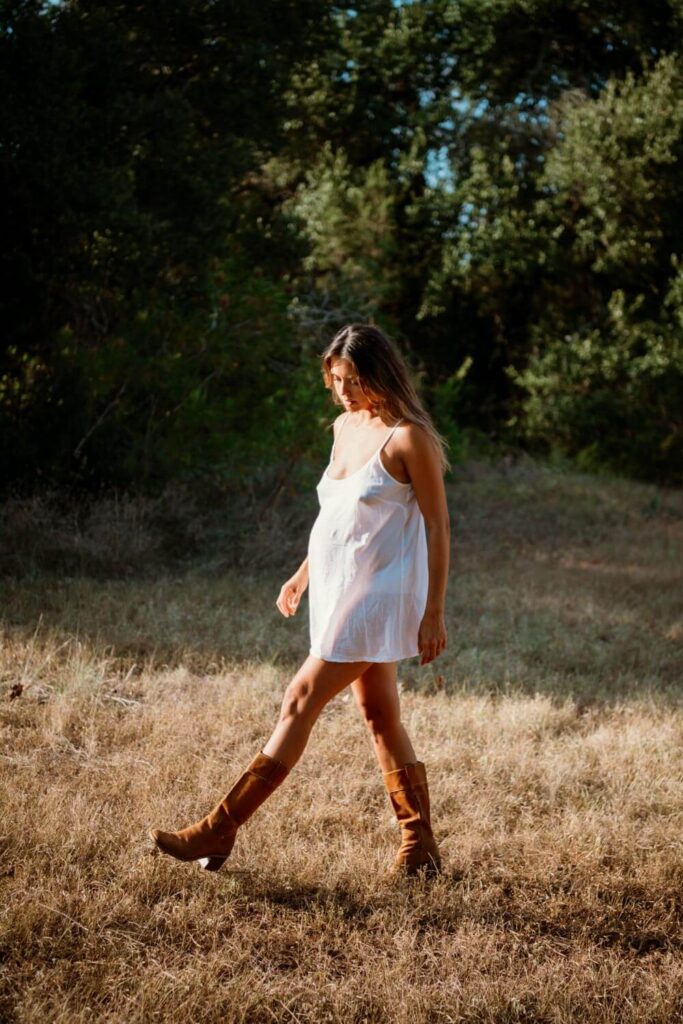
{"x":552,"y":731}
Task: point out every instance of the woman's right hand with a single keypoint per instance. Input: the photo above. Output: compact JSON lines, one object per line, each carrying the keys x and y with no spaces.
{"x":290,"y":593}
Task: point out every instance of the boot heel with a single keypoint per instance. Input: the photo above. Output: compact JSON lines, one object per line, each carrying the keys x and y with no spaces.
{"x":212,"y":863}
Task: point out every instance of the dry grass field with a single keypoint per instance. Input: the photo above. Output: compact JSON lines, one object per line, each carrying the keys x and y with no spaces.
{"x":552,"y":731}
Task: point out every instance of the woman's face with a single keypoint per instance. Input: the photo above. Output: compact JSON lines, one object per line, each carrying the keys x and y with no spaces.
{"x":346,"y":383}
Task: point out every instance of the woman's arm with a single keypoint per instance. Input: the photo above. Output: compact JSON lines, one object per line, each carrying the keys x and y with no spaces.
{"x":302,"y":571}
{"x":421,"y":460}
{"x":422,"y":463}
{"x":438,"y":556}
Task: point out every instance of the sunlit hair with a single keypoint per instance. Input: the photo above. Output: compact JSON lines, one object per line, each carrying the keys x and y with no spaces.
{"x":384,"y":379}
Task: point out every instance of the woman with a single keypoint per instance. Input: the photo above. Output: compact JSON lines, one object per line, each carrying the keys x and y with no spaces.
{"x":376,"y":568}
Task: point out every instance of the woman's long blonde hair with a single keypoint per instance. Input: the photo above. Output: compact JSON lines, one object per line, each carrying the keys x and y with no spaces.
{"x":384,"y":378}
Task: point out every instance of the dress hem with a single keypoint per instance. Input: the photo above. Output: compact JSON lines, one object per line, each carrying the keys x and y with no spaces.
{"x":348,"y":661}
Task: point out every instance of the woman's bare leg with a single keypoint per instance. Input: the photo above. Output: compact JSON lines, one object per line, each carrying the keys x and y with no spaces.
{"x":314,"y":684}
{"x":377,"y":697}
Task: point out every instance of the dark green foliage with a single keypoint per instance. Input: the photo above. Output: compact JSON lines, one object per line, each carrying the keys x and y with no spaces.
{"x":198,"y":195}
{"x":604,"y":378}
{"x":144,"y":320}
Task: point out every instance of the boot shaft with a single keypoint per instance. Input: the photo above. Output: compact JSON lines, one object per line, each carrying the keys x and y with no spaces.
{"x":409,"y":796}
{"x":409,"y":793}
{"x":254,"y":786}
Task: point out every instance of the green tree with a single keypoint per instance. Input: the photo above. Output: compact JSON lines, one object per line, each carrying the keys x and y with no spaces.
{"x":132,"y":138}
{"x":604,"y":381}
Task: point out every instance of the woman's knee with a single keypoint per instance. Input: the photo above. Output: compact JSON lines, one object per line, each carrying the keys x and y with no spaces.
{"x":299,"y":700}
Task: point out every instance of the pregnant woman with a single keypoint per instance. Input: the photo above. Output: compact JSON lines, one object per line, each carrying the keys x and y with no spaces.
{"x":376,"y":569}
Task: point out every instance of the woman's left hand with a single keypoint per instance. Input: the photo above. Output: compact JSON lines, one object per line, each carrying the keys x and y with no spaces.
{"x":432,"y":636}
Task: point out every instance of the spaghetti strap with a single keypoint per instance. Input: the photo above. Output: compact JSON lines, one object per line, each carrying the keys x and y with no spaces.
{"x":346,"y":416}
{"x":390,"y":434}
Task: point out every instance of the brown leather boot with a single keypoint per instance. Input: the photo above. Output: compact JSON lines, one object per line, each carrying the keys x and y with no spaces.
{"x":211,"y":840}
{"x":409,"y":795}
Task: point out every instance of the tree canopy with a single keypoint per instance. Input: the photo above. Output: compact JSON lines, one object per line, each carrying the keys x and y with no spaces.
{"x":198,"y":194}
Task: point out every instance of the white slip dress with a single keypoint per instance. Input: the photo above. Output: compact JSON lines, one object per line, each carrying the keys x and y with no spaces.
{"x":367,"y":566}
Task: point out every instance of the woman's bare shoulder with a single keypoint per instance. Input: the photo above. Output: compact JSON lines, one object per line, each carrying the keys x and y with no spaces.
{"x":415,"y":444}
{"x":414,"y":435}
